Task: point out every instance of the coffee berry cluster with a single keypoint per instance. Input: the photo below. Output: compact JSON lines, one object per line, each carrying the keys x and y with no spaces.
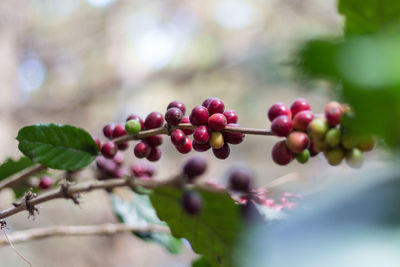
{"x":307,"y":134}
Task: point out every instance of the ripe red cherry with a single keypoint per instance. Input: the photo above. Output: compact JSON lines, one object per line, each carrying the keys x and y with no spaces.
{"x":153,"y":120}
{"x":241,"y":180}
{"x":97,"y":141}
{"x":223,"y":152}
{"x":118,"y":172}
{"x":278,"y":109}
{"x":186,"y":120}
{"x":281,"y":154}
{"x":333,"y":113}
{"x":178,"y":137}
{"x":216,"y":106}
{"x":192,"y":203}
{"x":177,"y":104}
{"x":201,"y":134}
{"x":138,"y":169}
{"x":142,"y":150}
{"x":298,"y":105}
{"x":231,"y":116}
{"x":217,"y":122}
{"x":194,"y":167}
{"x":173,"y":116}
{"x":123,"y":146}
{"x":302,"y":119}
{"x":119,"y":130}
{"x":155,"y":154}
{"x":282,"y":126}
{"x":45,"y":182}
{"x":109,"y":149}
{"x":186,"y":148}
{"x":207,"y":101}
{"x":108,"y":130}
{"x":199,"y":116}
{"x":155,"y":140}
{"x":136,"y":117}
{"x":200,"y":147}
{"x":233,"y":138}
{"x":297,"y":142}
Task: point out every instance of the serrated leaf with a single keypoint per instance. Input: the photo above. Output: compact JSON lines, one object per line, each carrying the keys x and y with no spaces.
{"x":212,"y":233}
{"x":10,"y":166}
{"x":63,"y":147}
{"x":140,"y":212}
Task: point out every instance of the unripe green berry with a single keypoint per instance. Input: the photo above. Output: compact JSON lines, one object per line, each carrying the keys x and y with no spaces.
{"x":303,"y":156}
{"x":334,"y":156}
{"x":216,"y":140}
{"x":348,"y":141}
{"x":332,"y":137}
{"x":317,"y":128}
{"x":354,"y":158}
{"x":132,"y":127}
{"x":366,"y":142}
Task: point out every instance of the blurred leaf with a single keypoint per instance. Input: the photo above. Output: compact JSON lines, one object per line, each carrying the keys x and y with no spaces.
{"x":201,"y":262}
{"x":10,"y":166}
{"x":212,"y":233}
{"x":140,"y":212}
{"x":368,"y":16}
{"x":57,"y":146}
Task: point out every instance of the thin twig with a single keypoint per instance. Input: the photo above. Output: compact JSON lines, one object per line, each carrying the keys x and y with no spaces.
{"x":7,"y":241}
{"x":79,"y":230}
{"x":28,"y":172}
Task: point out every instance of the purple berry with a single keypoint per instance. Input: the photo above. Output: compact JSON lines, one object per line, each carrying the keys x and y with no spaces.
{"x":233,"y":138}
{"x":192,"y":202}
{"x":178,"y":137}
{"x":153,"y":120}
{"x":177,"y":104}
{"x":199,"y":116}
{"x":223,"y":152}
{"x":216,"y":106}
{"x":109,"y":149}
{"x":45,"y":182}
{"x":194,"y":167}
{"x":231,"y":116}
{"x":173,"y":116}
{"x":201,"y":134}
{"x":142,"y":150}
{"x":155,"y":154}
{"x":108,"y":130}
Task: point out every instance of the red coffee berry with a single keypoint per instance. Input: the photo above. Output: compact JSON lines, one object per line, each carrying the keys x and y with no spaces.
{"x":136,"y":117}
{"x":216,"y":106}
{"x":123,"y":146}
{"x":177,"y":104}
{"x":155,"y":154}
{"x":199,"y":116}
{"x":207,"y":101}
{"x":200,"y":147}
{"x":297,"y":142}
{"x":178,"y":137}
{"x":118,"y":158}
{"x":217,"y":122}
{"x":45,"y":182}
{"x":97,"y":140}
{"x":150,"y":170}
{"x":201,"y":134}
{"x":241,"y":180}
{"x":101,"y":162}
{"x":281,"y":154}
{"x":186,"y":148}
{"x":313,"y":150}
{"x":192,"y":202}
{"x":142,"y":150}
{"x":282,"y":126}
{"x":302,"y":120}
{"x":108,"y":130}
{"x":109,"y":149}
{"x":173,"y":116}
{"x":233,"y":138}
{"x":333,"y":113}
{"x":186,"y":120}
{"x":138,"y":169}
{"x":278,"y":109}
{"x":223,"y":152}
{"x":298,"y":105}
{"x":118,"y":172}
{"x":194,"y":167}
{"x":119,"y":130}
{"x":153,"y":120}
{"x":231,"y":116}
{"x":155,"y":140}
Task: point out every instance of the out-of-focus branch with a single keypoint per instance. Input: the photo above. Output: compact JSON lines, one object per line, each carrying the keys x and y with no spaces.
{"x":21,"y":175}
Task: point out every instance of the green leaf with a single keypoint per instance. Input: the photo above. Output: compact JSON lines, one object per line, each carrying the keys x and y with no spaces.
{"x":212,"y":233}
{"x":368,"y":16}
{"x":140,"y":212}
{"x":63,"y":147}
{"x":10,"y":166}
{"x":201,"y":262}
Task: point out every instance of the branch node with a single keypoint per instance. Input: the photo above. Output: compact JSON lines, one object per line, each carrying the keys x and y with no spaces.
{"x":29,"y":207}
{"x":67,"y":195}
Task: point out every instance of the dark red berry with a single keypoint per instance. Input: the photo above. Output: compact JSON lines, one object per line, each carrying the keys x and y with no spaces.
{"x":333,"y":113}
{"x":278,"y":109}
{"x":173,"y":116}
{"x":45,"y":182}
{"x":241,"y":180}
{"x":233,"y":138}
{"x":200,"y":147}
{"x":178,"y":137}
{"x":298,"y":105}
{"x":201,"y":134}
{"x":207,"y":101}
{"x":297,"y":142}
{"x":313,"y":150}
{"x":118,"y":172}
{"x":281,"y":154}
{"x":153,"y":120}
{"x":136,"y":117}
{"x":192,"y":202}
{"x":106,"y":166}
{"x":186,"y":120}
{"x":138,"y":169}
{"x":186,"y":148}
{"x":177,"y":104}
{"x":155,"y":154}
{"x":231,"y":116}
{"x":142,"y":150}
{"x":194,"y":167}
{"x":109,"y":149}
{"x":119,"y":130}
{"x":150,"y":170}
{"x":282,"y":126}
{"x":123,"y":146}
{"x":217,"y":122}
{"x":302,"y":120}
{"x":223,"y":152}
{"x":97,"y":140}
{"x":199,"y":116}
{"x":118,"y":158}
{"x":155,"y":140}
{"x":108,"y":130}
{"x":216,"y":106}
